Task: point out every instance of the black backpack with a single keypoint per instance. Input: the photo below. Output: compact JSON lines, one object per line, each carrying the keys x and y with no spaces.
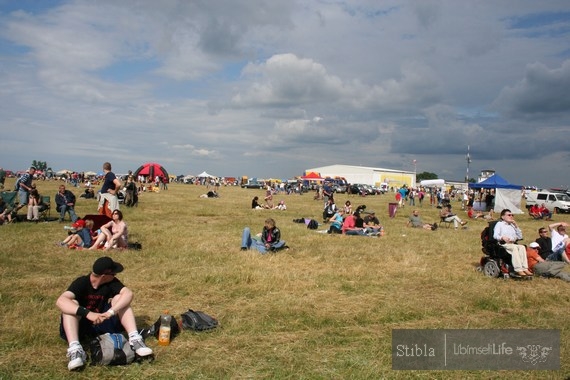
{"x":154,"y":329}
{"x":487,"y":239}
{"x":198,"y":321}
{"x":313,"y":224}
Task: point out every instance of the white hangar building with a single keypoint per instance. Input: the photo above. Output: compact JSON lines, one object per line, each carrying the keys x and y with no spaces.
{"x":367,"y":175}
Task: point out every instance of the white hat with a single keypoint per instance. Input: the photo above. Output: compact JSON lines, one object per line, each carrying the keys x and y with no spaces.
{"x":534,"y":245}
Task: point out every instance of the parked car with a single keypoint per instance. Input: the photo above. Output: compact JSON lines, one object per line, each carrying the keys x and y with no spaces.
{"x":360,"y":188}
{"x":557,"y":202}
{"x":341,"y":189}
{"x":253,"y":185}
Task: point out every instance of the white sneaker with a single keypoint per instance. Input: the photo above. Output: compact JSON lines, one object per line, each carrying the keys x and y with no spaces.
{"x":140,"y":348}
{"x":77,"y":358}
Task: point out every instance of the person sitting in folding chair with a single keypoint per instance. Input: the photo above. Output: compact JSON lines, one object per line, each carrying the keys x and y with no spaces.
{"x":34,"y":202}
{"x":448,"y":217}
{"x":5,"y":212}
{"x":65,"y":203}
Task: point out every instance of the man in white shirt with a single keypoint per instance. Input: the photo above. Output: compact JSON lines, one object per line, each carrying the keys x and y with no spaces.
{"x":507,"y":233}
{"x":559,"y":242}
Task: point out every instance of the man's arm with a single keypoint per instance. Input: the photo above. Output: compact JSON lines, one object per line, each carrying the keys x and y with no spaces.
{"x":117,"y":184}
{"x":71,"y":197}
{"x":554,"y":226}
{"x":67,"y":303}
{"x":122,"y":300}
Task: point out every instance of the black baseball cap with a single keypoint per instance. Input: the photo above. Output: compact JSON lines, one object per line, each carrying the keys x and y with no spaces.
{"x":106,"y":265}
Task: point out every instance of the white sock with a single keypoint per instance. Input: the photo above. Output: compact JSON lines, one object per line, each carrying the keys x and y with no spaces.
{"x":74,"y":343}
{"x":134,"y":335}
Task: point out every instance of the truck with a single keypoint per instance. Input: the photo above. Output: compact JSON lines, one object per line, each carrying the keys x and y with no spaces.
{"x":557,"y":202}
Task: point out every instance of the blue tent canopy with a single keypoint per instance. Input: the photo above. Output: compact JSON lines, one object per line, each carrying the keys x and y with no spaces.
{"x":494,"y":182}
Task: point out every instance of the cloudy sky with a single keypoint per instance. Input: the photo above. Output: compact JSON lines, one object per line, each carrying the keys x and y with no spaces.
{"x":269,"y":88}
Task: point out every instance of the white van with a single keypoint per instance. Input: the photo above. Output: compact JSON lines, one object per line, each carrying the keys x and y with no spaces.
{"x":557,"y":202}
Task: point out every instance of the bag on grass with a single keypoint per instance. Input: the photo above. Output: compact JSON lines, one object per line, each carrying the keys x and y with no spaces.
{"x":313,"y":224}
{"x":198,"y":321}
{"x":136,"y":246}
{"x":174,"y":327}
{"x":154,"y":329}
{"x":111,"y":349}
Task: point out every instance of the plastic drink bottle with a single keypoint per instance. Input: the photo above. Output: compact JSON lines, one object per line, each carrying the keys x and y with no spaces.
{"x":164,"y":331}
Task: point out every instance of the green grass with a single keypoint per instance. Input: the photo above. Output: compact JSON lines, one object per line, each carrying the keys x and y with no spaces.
{"x":324,"y":309}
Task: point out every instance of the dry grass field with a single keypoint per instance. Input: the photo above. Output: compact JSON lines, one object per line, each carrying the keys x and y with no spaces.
{"x":322,"y":310}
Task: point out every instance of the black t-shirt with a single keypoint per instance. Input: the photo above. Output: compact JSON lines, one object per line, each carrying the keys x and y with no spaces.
{"x":108,"y":183}
{"x":94,"y":299}
{"x":368,"y":219}
{"x":358,"y":222}
{"x":545,"y":246}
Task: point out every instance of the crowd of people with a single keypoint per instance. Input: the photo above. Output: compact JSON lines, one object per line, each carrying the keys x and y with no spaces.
{"x":547,"y":256}
{"x":99,"y":302}
{"x":346,"y":221}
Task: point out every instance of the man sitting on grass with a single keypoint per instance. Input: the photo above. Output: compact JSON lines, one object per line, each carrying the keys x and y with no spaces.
{"x":416,"y":221}
{"x":541,"y":267}
{"x":96,"y":304}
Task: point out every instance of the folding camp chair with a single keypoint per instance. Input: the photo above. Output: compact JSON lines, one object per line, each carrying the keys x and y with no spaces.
{"x":444,"y":222}
{"x":45,"y":208}
{"x":10,"y":198}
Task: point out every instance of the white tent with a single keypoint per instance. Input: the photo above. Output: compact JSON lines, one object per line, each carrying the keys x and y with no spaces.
{"x":507,"y":195}
{"x":204,"y":175}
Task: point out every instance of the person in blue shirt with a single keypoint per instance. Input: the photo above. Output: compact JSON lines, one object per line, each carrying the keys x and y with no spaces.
{"x":82,"y":236}
{"x":336,"y":222}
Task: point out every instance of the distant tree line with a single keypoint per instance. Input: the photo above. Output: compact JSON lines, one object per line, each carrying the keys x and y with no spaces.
{"x":40,"y":165}
{"x":425,"y":175}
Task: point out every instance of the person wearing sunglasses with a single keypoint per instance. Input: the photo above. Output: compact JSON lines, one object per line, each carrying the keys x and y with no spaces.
{"x":507,"y":233}
{"x":559,"y":242}
{"x":114,"y":234}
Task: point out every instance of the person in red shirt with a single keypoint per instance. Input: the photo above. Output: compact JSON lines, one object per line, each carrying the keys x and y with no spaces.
{"x":534,"y":211}
{"x":544,"y":212}
{"x":541,"y":267}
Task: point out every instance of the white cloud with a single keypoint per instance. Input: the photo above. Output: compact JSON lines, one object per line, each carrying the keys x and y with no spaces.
{"x":263,"y":85}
